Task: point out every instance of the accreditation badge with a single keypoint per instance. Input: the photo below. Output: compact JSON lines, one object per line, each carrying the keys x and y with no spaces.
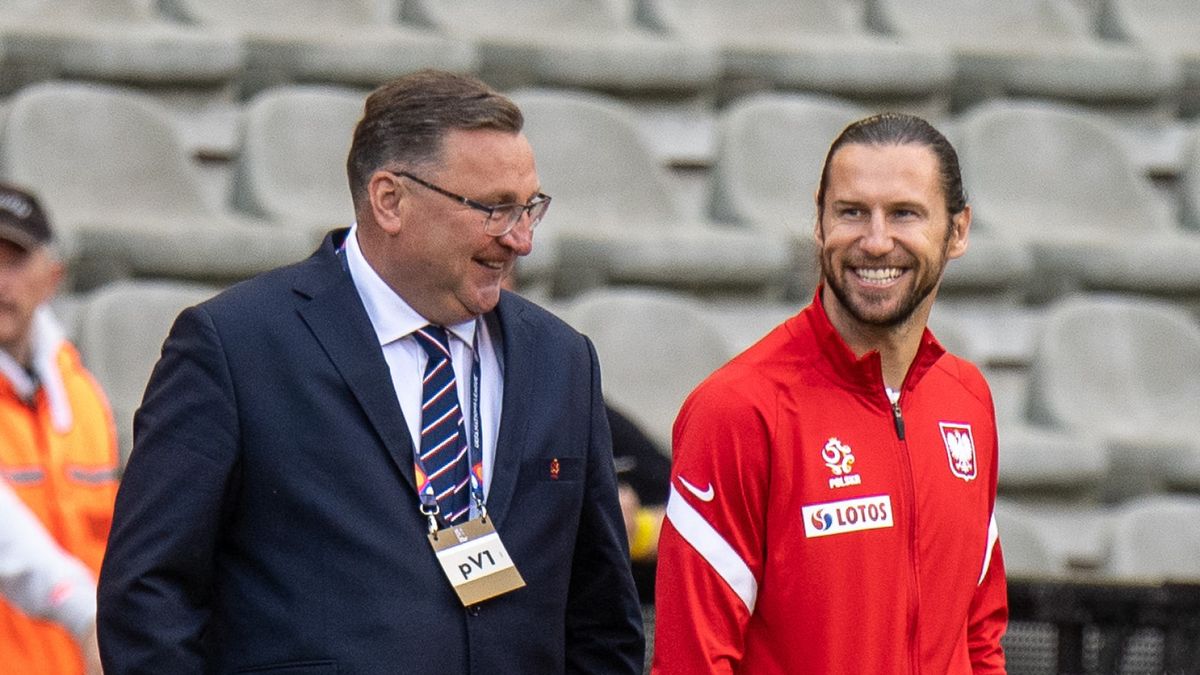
{"x":475,"y":561}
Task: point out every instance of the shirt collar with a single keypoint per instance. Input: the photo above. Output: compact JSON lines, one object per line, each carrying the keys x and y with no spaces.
{"x":390,"y":315}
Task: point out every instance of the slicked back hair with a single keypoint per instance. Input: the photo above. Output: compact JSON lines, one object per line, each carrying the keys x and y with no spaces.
{"x":405,"y":121}
{"x":901,"y":129}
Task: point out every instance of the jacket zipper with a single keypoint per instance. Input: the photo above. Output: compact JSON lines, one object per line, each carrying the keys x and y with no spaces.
{"x":898,"y":419}
{"x":911,"y":495}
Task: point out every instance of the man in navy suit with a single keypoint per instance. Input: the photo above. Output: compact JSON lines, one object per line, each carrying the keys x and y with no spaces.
{"x":274,"y":515}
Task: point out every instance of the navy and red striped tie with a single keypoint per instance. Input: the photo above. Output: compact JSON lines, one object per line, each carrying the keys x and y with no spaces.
{"x":443,"y":439}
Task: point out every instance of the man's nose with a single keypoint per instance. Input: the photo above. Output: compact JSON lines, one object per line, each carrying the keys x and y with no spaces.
{"x":520,"y":237}
{"x":877,"y":240}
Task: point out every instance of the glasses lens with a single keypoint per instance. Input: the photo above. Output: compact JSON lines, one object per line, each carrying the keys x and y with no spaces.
{"x":503,"y":219}
{"x":538,"y":209}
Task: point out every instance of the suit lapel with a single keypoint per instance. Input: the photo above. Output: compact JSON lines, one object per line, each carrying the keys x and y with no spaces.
{"x":337,"y":319}
{"x":519,"y":365}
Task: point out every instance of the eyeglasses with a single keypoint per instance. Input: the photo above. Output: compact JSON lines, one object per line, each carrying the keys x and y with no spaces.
{"x":501,"y":218}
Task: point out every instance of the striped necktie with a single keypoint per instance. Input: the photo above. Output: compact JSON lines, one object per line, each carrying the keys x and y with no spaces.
{"x":443,"y":440}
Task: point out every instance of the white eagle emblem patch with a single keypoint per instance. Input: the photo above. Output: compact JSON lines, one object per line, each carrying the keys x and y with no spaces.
{"x":960,"y":449}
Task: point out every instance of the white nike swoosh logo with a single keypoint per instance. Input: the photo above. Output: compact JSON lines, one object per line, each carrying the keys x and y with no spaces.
{"x":705,"y":495}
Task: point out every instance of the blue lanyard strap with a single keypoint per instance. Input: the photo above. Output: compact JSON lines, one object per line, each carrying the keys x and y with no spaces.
{"x":429,"y":505}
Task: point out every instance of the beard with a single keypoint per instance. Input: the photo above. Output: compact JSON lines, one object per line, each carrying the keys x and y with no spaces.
{"x":874,"y":311}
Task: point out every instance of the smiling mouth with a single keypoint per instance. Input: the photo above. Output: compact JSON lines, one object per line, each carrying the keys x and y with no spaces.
{"x":497,"y":266}
{"x":878,"y":275}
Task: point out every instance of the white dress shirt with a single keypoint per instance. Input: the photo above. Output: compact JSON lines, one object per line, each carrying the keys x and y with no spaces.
{"x":395,"y":322}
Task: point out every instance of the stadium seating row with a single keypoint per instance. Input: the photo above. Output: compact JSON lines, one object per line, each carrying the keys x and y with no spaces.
{"x":1145,"y":539}
{"x":1126,"y":52}
{"x":1059,"y":206}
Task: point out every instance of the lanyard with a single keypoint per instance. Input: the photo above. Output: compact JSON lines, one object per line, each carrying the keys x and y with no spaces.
{"x":429,"y":505}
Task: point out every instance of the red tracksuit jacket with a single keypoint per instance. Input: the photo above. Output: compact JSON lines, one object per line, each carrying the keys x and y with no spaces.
{"x":814,"y":528}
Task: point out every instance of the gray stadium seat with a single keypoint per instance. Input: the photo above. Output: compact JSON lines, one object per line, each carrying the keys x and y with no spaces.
{"x":591,"y":44}
{"x":109,"y":168}
{"x":121,"y":330}
{"x":770,"y":151}
{"x":767,"y":162}
{"x":292,"y":164}
{"x":654,"y":348}
{"x":1060,"y":181}
{"x":1169,"y":26}
{"x":1123,"y":371}
{"x":120,"y":41}
{"x":1155,"y":538}
{"x":1023,"y":541}
{"x":805,"y":44}
{"x":1189,"y":181}
{"x":1036,"y":461}
{"x":352,"y":42}
{"x":1029,"y":48}
{"x":614,"y":218}
{"x":1053,"y":537}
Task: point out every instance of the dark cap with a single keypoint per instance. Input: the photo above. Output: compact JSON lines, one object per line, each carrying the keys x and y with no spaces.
{"x":22,"y":220}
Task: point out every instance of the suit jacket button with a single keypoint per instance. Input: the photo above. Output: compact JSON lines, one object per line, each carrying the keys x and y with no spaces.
{"x":473,"y":610}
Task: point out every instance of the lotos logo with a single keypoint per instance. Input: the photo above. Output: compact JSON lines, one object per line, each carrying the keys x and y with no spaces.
{"x":849,"y":515}
{"x":840,"y":460}
{"x":821,"y":520}
{"x":960,"y":449}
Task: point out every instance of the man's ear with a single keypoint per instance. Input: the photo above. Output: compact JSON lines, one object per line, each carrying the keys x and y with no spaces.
{"x":385,"y":196}
{"x":960,"y":228}
{"x":50,"y":276}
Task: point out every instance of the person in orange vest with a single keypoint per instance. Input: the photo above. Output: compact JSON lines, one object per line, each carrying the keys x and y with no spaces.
{"x":58,"y":448}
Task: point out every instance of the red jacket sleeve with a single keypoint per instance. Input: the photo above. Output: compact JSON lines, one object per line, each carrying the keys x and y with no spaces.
{"x":710,"y":555}
{"x":988,"y":615}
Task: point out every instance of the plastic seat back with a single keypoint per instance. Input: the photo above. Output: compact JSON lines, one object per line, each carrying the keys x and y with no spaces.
{"x":292,"y":164}
{"x":654,"y":348}
{"x":1155,"y":538}
{"x":1045,"y":170}
{"x":1114,"y":366}
{"x":121,"y":330}
{"x":592,"y":159}
{"x":770,"y":150}
{"x":95,"y":151}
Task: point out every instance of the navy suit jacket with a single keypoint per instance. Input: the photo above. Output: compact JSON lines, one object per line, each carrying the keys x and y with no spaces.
{"x":268,"y":517}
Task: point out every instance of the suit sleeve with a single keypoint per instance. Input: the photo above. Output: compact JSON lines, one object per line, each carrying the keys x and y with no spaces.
{"x":603,"y":622}
{"x":988,"y":618}
{"x":710,"y":555}
{"x":155,"y":583}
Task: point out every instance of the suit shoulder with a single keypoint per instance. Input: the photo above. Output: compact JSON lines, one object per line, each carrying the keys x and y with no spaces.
{"x":272,"y":289}
{"x":543,"y":320}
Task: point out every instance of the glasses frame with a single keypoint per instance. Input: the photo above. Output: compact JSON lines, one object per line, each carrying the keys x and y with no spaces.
{"x":539,"y":200}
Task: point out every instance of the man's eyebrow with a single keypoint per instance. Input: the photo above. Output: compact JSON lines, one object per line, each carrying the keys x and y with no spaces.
{"x":507,"y":197}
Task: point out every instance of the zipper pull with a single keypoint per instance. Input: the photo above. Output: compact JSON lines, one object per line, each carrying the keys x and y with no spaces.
{"x":896,"y":417}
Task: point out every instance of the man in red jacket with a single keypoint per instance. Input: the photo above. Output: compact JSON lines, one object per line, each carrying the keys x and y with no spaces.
{"x":832,"y":493}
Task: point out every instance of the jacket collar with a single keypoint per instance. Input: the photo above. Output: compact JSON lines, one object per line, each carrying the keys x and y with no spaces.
{"x":863,"y":374}
{"x":335,"y":314}
{"x":47,"y":339}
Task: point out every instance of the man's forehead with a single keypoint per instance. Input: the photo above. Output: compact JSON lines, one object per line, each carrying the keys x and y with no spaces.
{"x":910,"y":166}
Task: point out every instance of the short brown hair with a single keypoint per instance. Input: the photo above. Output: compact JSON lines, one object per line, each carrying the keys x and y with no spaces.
{"x":406,"y":119}
{"x":901,"y":129}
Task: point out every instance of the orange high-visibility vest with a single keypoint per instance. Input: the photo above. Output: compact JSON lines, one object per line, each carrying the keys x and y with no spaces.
{"x":69,"y":480}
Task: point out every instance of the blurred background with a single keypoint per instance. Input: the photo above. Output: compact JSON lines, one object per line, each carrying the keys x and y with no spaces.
{"x":181,"y":145}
